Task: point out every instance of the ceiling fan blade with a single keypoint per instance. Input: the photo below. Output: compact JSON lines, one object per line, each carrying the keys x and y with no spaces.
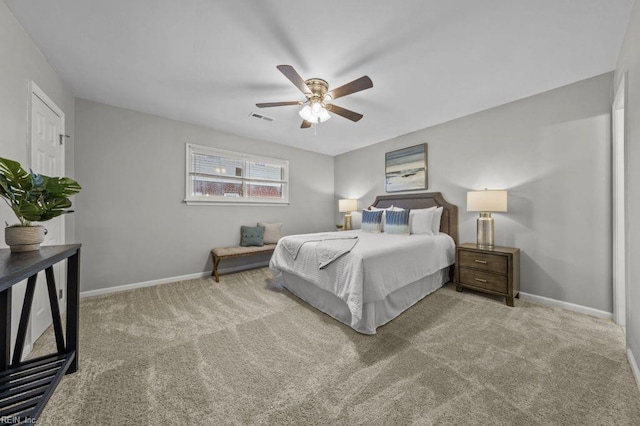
{"x":275,"y":104}
{"x":305,"y":124}
{"x":362,"y":83}
{"x":295,"y":78}
{"x":346,"y":113}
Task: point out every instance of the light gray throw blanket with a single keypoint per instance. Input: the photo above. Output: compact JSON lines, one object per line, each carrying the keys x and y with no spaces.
{"x":329,"y":247}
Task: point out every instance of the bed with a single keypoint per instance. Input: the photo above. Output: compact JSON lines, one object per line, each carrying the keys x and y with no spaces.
{"x":381,"y":276}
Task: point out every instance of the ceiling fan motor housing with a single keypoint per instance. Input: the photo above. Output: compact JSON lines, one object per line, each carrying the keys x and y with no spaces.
{"x":318,"y":87}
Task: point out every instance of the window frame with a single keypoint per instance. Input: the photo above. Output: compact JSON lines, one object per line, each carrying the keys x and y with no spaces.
{"x":190,"y":199}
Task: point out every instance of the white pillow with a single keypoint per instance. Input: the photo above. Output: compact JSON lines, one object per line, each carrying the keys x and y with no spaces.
{"x":421,"y":220}
{"x":272,"y":232}
{"x":356,"y":220}
{"x":435,"y":222}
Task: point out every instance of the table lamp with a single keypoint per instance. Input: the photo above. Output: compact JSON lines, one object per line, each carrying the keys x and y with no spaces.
{"x":347,"y":206}
{"x":485,"y":202}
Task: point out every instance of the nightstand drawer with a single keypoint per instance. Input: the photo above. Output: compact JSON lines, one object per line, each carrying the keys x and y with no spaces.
{"x":483,"y":261}
{"x":487,"y":281}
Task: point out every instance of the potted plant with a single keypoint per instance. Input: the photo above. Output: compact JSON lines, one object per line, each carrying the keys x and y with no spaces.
{"x":33,"y":198}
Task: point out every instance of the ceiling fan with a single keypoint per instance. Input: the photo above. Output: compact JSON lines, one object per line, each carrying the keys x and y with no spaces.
{"x":318,"y":104}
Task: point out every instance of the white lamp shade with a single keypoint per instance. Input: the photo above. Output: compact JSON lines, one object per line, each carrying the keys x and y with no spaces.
{"x":347,"y":205}
{"x":324,"y":115}
{"x":488,"y":200}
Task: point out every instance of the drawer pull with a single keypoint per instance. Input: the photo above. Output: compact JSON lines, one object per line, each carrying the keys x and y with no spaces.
{"x":481,"y":280}
{"x":484,"y":262}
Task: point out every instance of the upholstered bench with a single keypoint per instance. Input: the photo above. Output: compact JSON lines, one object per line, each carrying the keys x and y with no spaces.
{"x":228,"y":252}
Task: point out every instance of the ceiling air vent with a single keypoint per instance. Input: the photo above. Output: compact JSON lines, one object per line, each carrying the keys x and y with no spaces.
{"x":261,"y":117}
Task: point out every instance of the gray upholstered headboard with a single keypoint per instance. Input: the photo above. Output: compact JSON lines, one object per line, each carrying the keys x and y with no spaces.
{"x":449,"y":221}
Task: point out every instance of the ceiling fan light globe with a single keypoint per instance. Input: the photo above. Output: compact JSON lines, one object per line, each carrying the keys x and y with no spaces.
{"x":316,"y":109}
{"x":307,"y":115}
{"x":324,"y":115}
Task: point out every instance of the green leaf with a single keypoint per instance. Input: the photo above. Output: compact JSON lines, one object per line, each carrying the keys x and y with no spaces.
{"x":5,"y":189}
{"x":29,"y":211}
{"x":63,"y":187}
{"x":15,"y":174}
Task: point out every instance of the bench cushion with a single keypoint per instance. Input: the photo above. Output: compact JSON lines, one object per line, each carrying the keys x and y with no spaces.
{"x":241,"y":251}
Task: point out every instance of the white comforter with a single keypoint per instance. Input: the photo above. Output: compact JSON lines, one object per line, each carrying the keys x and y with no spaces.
{"x":378,"y":265}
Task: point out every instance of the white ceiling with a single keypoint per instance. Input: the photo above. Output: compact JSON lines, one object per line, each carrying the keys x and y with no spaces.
{"x":209,"y":61}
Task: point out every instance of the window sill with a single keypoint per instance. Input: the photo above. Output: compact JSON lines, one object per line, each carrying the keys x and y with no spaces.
{"x":235,"y":203}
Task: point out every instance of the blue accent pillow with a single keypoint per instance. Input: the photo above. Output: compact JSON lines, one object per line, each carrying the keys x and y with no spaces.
{"x":397,"y":222}
{"x":251,"y":236}
{"x":371,"y":221}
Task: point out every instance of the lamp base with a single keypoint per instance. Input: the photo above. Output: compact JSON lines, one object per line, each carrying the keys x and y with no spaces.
{"x":347,"y":222}
{"x":485,"y":231}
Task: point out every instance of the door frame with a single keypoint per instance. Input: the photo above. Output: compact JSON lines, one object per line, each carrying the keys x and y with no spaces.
{"x":620,"y":261}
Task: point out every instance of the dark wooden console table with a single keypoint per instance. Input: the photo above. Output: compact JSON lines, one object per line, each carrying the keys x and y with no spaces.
{"x":25,"y":387}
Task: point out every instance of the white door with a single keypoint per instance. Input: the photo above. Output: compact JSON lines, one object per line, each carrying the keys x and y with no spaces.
{"x":47,"y":158}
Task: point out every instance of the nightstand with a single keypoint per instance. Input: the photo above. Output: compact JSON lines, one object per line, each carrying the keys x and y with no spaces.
{"x":494,"y":271}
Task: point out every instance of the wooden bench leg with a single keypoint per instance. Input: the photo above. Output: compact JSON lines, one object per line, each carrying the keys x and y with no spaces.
{"x":216,"y":262}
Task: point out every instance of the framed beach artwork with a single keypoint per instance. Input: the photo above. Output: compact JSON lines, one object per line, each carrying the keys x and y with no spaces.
{"x":406,"y":169}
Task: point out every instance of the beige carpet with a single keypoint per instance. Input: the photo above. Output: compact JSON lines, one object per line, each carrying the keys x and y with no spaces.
{"x":198,"y":352}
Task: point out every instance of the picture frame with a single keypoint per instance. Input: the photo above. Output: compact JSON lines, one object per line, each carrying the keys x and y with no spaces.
{"x":406,"y":169}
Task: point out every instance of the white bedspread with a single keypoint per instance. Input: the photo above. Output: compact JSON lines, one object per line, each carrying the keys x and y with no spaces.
{"x":375,"y":267}
{"x":329,"y":248}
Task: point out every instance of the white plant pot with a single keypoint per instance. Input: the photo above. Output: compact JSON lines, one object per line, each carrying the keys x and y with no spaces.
{"x":24,"y":238}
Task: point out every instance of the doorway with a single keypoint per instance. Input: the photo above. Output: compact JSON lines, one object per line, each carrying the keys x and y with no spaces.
{"x":619,"y":205}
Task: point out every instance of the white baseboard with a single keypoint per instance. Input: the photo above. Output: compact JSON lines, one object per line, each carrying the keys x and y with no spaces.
{"x":566,"y":305}
{"x":151,"y":283}
{"x":160,"y":281}
{"x":634,"y":366}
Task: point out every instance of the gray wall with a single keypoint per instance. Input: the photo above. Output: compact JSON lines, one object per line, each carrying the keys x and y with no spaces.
{"x":552,"y":153}
{"x":629,"y":63}
{"x":131,"y":217}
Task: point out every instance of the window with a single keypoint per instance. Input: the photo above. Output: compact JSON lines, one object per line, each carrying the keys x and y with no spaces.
{"x":217,"y":176}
